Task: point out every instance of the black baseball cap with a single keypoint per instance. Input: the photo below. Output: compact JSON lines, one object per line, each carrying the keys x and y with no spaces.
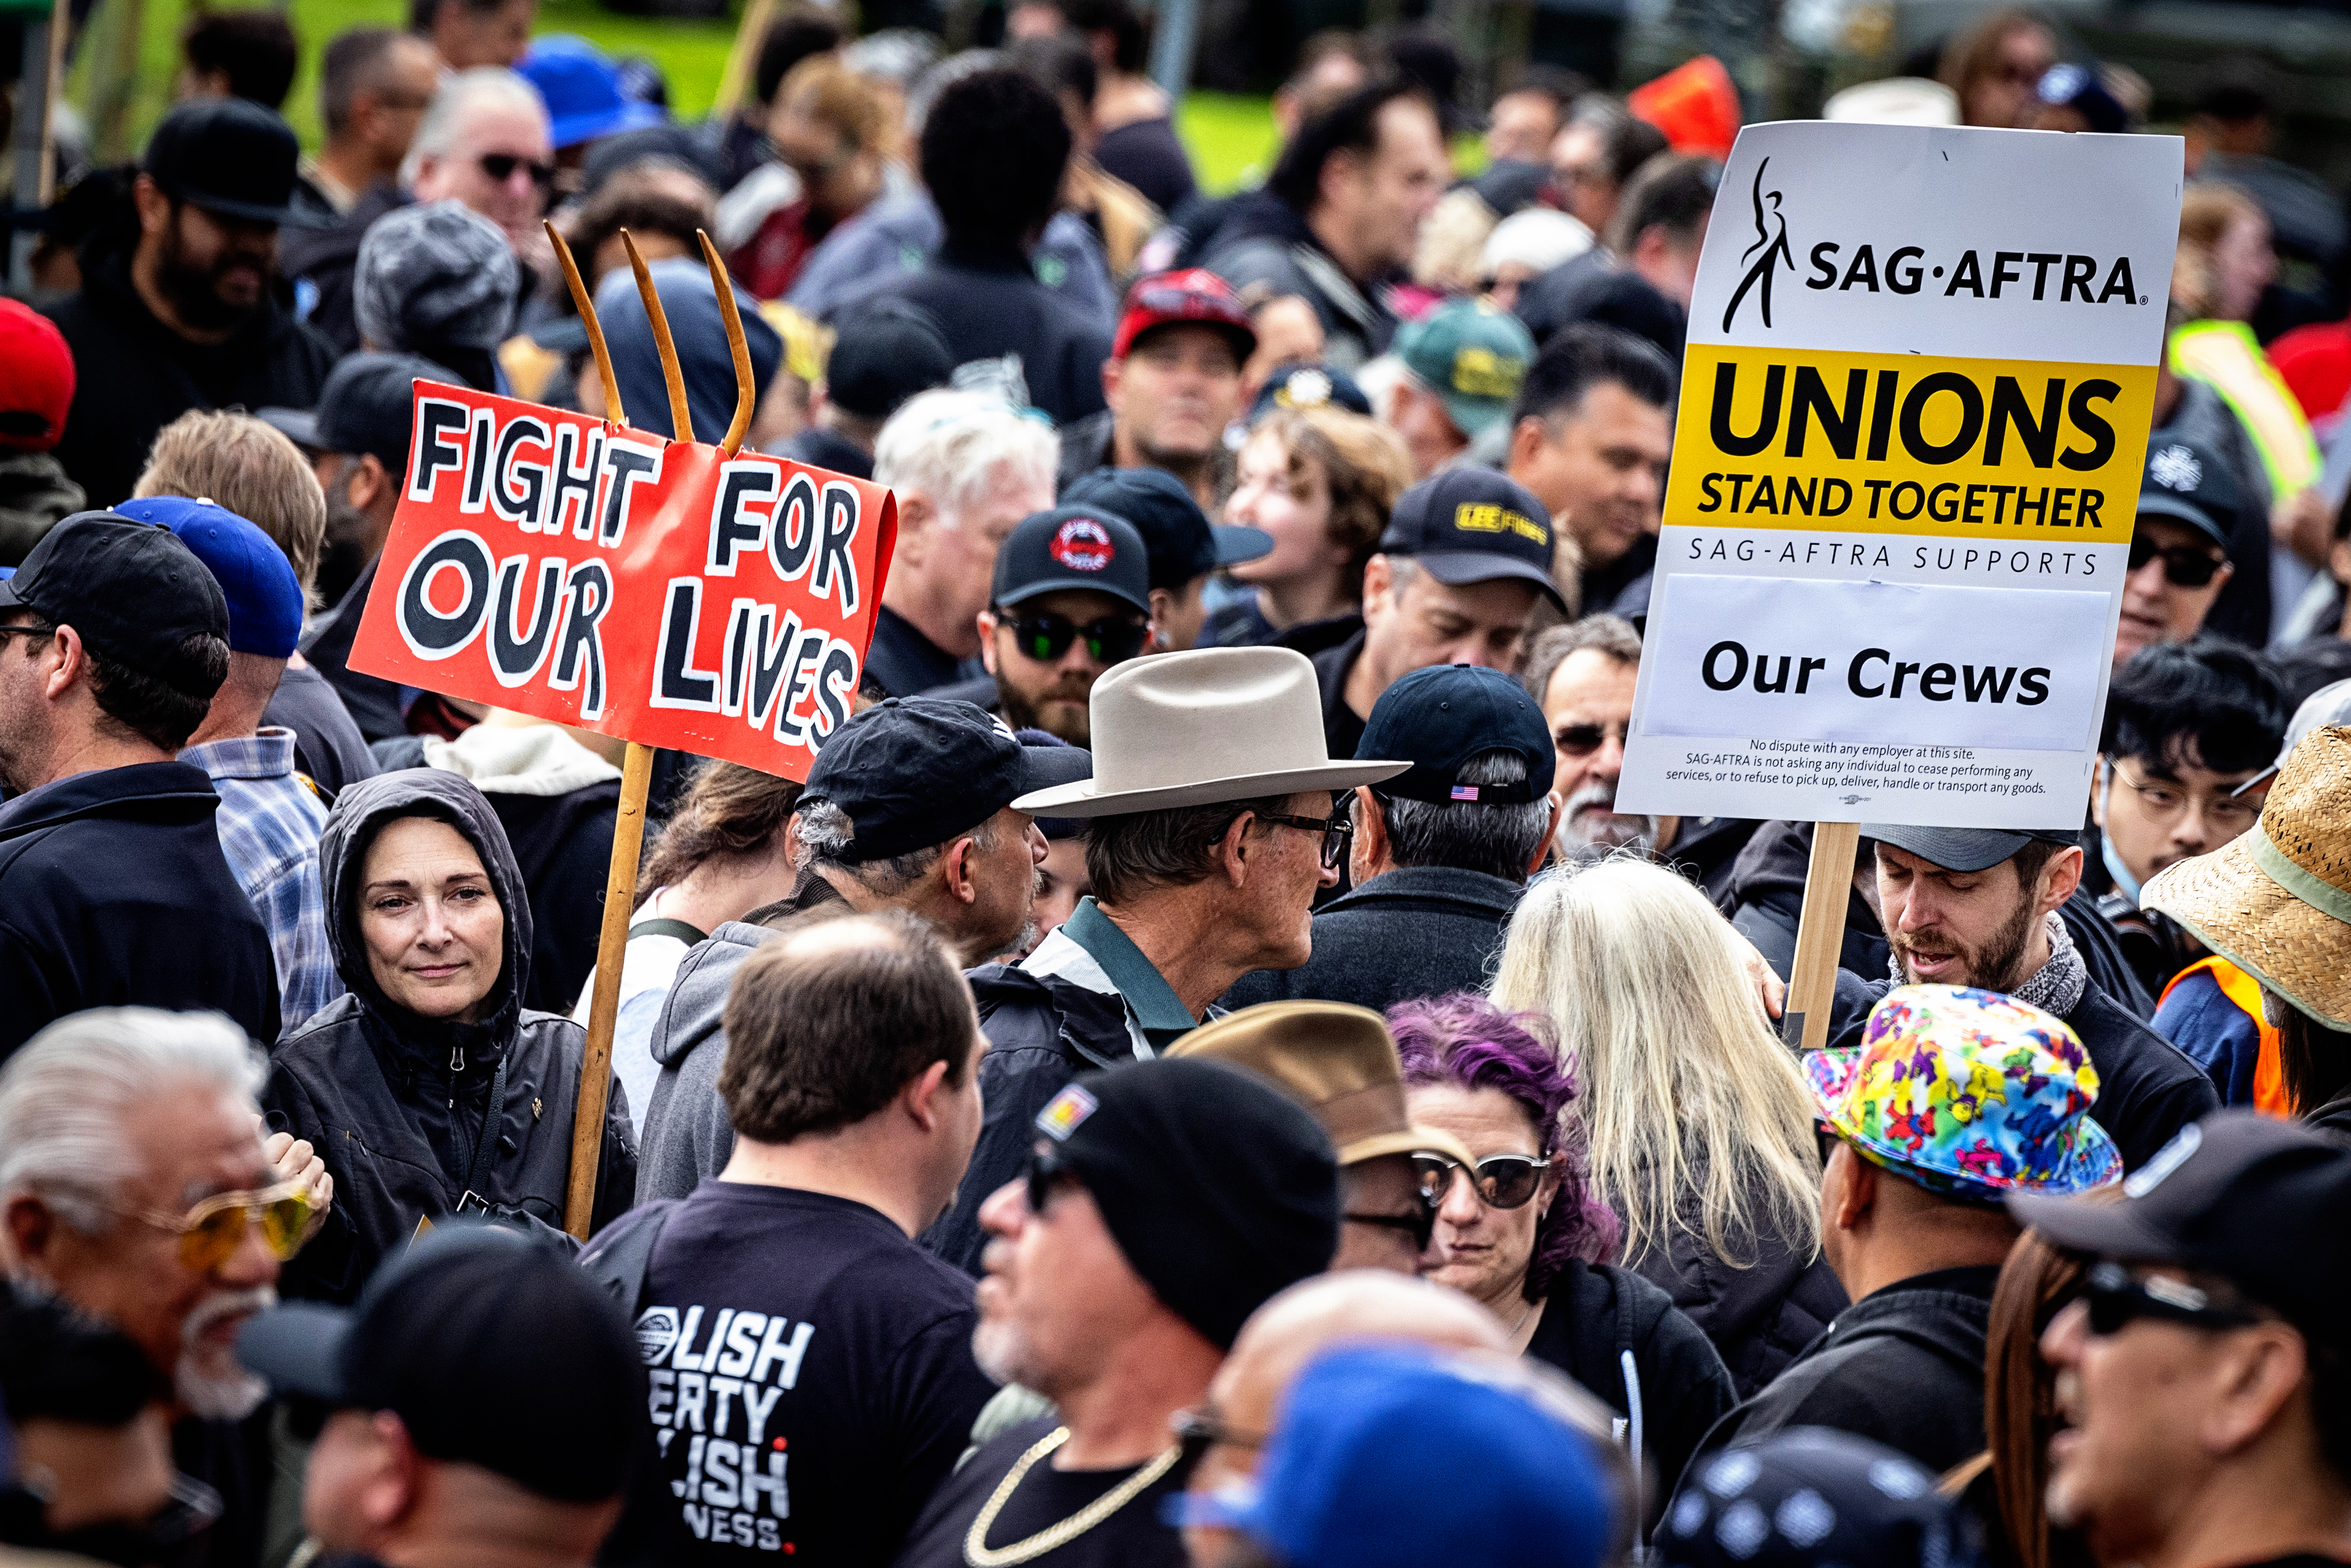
{"x":1074,"y":546}
{"x":132,"y":590}
{"x":1473,"y":525}
{"x":1445,"y":715}
{"x":1305,"y":383}
{"x":229,"y":156}
{"x":912,"y":772}
{"x":1219,"y":1189}
{"x":492,"y":1348}
{"x":1963,"y":848}
{"x":1181,"y":541}
{"x":367,"y":406}
{"x":883,"y":352}
{"x":2187,"y":481}
{"x":2263,"y":1203}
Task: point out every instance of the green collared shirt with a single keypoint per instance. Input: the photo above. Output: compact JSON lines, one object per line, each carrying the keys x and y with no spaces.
{"x":1153,"y":1007}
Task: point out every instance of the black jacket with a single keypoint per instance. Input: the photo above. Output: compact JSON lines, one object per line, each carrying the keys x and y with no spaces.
{"x":2148,"y":1087}
{"x":371,"y":1085}
{"x":372,"y":702}
{"x":134,"y":375}
{"x":1042,"y":1033}
{"x":327,"y":258}
{"x":1676,"y":1388}
{"x":1420,"y":930}
{"x":114,"y":891}
{"x":1903,"y":1366}
{"x":989,"y":303}
{"x":1264,"y":241}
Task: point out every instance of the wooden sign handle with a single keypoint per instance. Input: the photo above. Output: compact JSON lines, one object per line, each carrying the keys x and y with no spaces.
{"x":1820,"y":934}
{"x":604,"y":1000}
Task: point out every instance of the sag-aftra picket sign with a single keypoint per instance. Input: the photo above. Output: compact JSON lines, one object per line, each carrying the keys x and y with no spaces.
{"x":1914,"y":409}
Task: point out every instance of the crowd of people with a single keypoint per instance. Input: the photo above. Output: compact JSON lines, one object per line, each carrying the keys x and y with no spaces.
{"x":1203,"y":1070}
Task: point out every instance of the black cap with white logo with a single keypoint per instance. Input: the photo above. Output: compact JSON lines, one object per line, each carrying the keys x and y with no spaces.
{"x":1473,"y":525}
{"x":2187,"y":481}
{"x":1074,"y":546}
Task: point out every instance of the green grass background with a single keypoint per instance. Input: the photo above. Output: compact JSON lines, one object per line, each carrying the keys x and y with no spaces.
{"x":1226,"y":133}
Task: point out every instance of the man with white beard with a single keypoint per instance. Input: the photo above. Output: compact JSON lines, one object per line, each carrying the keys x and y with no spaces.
{"x":1582,"y":676}
{"x":135,"y":1182}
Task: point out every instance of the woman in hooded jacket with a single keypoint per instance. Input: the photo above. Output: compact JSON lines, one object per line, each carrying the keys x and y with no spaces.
{"x":429,"y":1081}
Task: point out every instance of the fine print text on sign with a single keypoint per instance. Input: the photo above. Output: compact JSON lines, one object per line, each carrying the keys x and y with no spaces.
{"x":656,"y":590}
{"x":1914,"y":408}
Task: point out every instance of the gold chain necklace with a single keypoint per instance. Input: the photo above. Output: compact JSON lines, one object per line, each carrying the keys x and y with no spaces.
{"x":980,"y":1554}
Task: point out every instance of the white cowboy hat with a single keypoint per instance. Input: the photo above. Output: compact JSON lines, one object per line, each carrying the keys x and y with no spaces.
{"x":1202,"y":728}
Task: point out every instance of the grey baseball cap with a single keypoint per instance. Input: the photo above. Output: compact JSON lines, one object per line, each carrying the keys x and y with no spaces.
{"x":1963,"y":848}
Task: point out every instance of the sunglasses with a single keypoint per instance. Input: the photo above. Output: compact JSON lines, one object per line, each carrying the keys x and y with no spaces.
{"x":1044,"y":1168}
{"x":1500,"y":1181}
{"x":2184,"y":566}
{"x":1584,"y":739}
{"x":1420,"y":1225}
{"x":1197,"y":1432}
{"x":2116,"y":1300}
{"x":500,"y":166}
{"x":211,"y":1231}
{"x":1108,"y":640}
{"x":1336,"y":831}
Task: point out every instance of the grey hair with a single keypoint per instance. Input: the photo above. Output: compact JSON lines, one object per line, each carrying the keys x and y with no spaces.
{"x":64,"y":1094}
{"x":1610,"y":635}
{"x":955,"y":447}
{"x":436,"y":133}
{"x":822,"y":832}
{"x":1500,"y":841}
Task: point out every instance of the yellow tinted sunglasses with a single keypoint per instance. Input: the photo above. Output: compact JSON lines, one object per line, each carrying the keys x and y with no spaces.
{"x":211,"y":1231}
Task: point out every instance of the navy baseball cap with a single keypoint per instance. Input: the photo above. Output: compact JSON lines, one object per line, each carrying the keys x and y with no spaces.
{"x":1473,"y":525}
{"x":265,"y":598}
{"x":1445,"y":715}
{"x":1963,"y":848}
{"x":367,"y":406}
{"x":1303,"y":383}
{"x":1090,"y":548}
{"x":132,"y":590}
{"x":493,"y":1349}
{"x":1495,"y":1474}
{"x":883,"y":352}
{"x":912,"y":772}
{"x":1807,"y":1496}
{"x":1181,"y":541}
{"x":2191,"y":483}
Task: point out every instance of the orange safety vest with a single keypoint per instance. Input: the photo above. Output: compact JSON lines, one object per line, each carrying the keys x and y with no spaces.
{"x":2245,"y":992}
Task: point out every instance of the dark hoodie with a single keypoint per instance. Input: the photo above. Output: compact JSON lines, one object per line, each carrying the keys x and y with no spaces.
{"x":135,"y":375}
{"x":394,"y":1103}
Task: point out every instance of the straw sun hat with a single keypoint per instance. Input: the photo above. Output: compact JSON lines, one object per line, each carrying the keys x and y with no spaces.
{"x":2276,"y":901}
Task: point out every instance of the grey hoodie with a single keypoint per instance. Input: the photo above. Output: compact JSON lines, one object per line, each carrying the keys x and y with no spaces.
{"x":687,"y":1135}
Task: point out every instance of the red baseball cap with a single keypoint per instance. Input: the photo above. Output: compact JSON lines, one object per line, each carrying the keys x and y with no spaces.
{"x":1170,"y":298}
{"x":40,"y":381}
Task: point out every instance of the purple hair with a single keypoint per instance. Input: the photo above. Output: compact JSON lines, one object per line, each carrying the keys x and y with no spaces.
{"x":1466,"y":1040}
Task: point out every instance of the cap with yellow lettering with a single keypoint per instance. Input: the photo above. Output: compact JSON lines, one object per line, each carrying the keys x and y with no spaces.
{"x":1470,"y":355}
{"x":1473,"y":525}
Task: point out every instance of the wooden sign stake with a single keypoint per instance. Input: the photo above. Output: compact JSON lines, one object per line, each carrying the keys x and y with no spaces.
{"x":1820,"y":934}
{"x":637,"y":766}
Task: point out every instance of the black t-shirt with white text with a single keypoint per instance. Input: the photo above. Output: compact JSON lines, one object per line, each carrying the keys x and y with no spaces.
{"x":811,"y":1381}
{"x":1132,"y":1537}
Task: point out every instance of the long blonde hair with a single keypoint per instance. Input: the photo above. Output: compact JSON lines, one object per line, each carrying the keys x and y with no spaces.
{"x":1678,"y":1065}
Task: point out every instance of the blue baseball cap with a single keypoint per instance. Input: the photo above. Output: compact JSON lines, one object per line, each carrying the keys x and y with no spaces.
{"x":1177,"y":535}
{"x":1491,"y":1476}
{"x":265,"y":598}
{"x":1445,"y":715}
{"x":581,"y":87}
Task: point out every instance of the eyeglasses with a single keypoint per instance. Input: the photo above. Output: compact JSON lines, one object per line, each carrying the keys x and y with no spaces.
{"x":2164,"y":801}
{"x":1044,"y":1168}
{"x":1336,"y":831}
{"x":1584,"y":739}
{"x":2184,"y":566}
{"x":1109,"y":640}
{"x":500,"y":166}
{"x":211,"y":1231}
{"x":2116,"y":1300}
{"x":1197,"y":1432}
{"x":28,"y":631}
{"x":1500,"y":1181}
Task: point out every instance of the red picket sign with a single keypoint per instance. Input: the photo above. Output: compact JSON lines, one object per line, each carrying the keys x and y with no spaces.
{"x":602,"y":576}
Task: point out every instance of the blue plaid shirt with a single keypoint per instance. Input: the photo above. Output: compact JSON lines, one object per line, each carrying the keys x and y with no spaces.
{"x":269,"y":823}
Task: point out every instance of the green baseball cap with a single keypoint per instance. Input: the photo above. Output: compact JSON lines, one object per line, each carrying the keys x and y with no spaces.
{"x":1473,"y":355}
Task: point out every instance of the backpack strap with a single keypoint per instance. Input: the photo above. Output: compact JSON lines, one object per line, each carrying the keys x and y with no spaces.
{"x":622,"y":1265}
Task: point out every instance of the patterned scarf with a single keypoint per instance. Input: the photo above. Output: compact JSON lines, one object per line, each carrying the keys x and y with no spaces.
{"x":2057,"y":987}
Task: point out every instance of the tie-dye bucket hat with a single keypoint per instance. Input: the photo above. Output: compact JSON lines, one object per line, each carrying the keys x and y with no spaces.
{"x":1970,"y":1094}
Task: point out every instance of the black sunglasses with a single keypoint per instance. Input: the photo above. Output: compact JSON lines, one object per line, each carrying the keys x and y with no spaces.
{"x":1044,"y":1168}
{"x":1197,"y":1432}
{"x":2184,"y":566}
{"x":1500,"y":1181}
{"x":1584,"y":739}
{"x":1420,"y":1225}
{"x":2117,"y":1299}
{"x":500,"y":166}
{"x":1336,"y":831}
{"x":1109,"y":640}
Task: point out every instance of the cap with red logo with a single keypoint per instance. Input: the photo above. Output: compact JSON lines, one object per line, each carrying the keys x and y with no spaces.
{"x":39,"y":386}
{"x":1196,"y":297}
{"x":1074,"y":546}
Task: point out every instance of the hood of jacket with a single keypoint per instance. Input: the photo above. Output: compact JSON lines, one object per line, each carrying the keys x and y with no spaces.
{"x":696,"y":1007}
{"x":362,"y":811}
{"x":518,"y":759}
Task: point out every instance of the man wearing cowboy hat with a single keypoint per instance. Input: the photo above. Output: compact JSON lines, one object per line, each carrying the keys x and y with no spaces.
{"x":1213,"y":829}
{"x":2276,"y":903}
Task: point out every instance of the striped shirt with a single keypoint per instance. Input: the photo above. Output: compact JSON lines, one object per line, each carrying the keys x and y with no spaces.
{"x":268,"y":822}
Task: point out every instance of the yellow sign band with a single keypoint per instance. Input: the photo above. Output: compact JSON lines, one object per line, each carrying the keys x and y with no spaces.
{"x":1989,"y":449}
